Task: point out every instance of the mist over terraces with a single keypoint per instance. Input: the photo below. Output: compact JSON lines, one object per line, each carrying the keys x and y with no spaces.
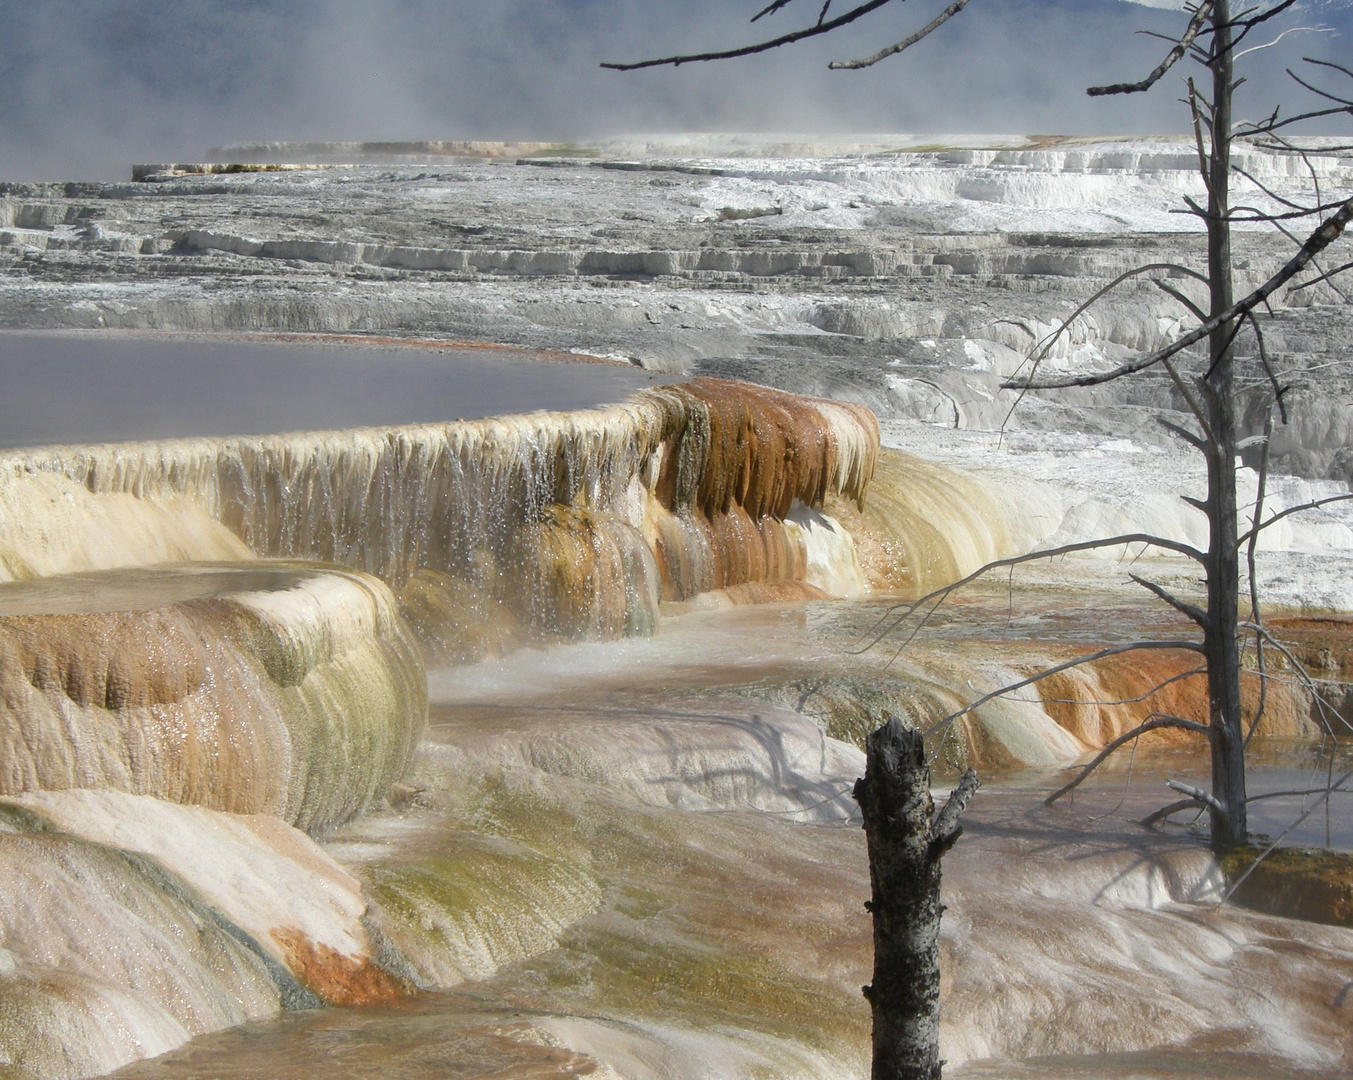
{"x":907,"y":277}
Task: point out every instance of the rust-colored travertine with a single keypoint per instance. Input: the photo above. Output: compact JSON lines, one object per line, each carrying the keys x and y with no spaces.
{"x":333,"y":977}
{"x":575,"y":523}
{"x":1102,"y":700}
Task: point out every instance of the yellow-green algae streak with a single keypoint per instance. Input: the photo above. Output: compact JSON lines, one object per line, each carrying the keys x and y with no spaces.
{"x":590,"y":905}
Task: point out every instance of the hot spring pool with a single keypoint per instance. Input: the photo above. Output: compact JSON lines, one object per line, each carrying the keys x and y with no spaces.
{"x":107,"y":386}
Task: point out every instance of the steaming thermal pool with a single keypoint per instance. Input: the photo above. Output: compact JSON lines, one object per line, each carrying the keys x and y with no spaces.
{"x":113,"y":387}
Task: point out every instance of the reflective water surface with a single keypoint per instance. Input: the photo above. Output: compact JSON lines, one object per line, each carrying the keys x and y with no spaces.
{"x":94,"y":387}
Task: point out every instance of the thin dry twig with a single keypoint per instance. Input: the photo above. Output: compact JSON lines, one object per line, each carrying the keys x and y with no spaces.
{"x":1328,"y":232}
{"x":1057,"y":669}
{"x":1323,"y":277}
{"x":1314,"y":504}
{"x":1173,"y":57}
{"x":1197,"y":794}
{"x":891,"y":619}
{"x":1042,"y":346}
{"x":1329,"y":791}
{"x":763,"y":46}
{"x":1154,"y":722}
{"x":906,"y":43}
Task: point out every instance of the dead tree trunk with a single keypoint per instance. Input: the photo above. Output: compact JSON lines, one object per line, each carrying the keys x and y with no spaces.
{"x":1221,"y":636}
{"x":906,"y":843}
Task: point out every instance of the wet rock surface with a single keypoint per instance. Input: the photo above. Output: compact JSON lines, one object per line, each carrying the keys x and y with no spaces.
{"x":1300,"y":884}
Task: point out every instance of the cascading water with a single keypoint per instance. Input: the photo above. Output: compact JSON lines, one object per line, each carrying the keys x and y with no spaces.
{"x":631,"y":861}
{"x":570,"y":524}
{"x":286,"y":691}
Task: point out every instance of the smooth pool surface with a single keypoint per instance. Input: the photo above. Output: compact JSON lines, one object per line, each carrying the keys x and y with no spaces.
{"x":109,"y":386}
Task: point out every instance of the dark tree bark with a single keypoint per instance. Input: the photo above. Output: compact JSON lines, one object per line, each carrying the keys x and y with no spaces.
{"x":906,"y":844}
{"x":1222,"y":636}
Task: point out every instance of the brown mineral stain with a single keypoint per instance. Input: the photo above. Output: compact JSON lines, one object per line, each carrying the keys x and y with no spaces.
{"x":1101,"y":700}
{"x":337,"y":979}
{"x":1324,"y":645}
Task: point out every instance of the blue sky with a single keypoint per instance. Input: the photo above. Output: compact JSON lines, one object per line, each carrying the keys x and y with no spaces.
{"x":88,"y":86}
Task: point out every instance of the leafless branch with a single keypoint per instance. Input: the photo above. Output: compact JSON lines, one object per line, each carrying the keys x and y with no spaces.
{"x":1279,"y":391}
{"x":1041,"y":348}
{"x":1154,"y":722}
{"x":1270,"y":192}
{"x":1258,"y":215}
{"x":1289,"y":30}
{"x":1189,"y":674}
{"x":1315,"y":89}
{"x":1247,"y":21}
{"x":946,"y":828}
{"x":1315,"y":265}
{"x":1196,"y":406}
{"x":1336,"y":786}
{"x":1278,"y":224}
{"x":1197,"y":794}
{"x":1175,"y":294}
{"x":1329,"y":231}
{"x":1232,"y":333}
{"x":1256,"y":614}
{"x":1184,"y":433}
{"x":1327,"y":710}
{"x":763,"y":46}
{"x":1314,"y":504}
{"x":1057,"y":669}
{"x":1192,"y":611}
{"x":1174,"y":808}
{"x":1268,"y":128}
{"x":1311,"y":170}
{"x":1203,"y":170}
{"x":771,"y":9}
{"x":1172,"y":57}
{"x":906,"y":43}
{"x":1323,"y":277}
{"x":891,"y":619}
{"x":1295,"y":794}
{"x":1331,"y":148}
{"x":1328,"y":64}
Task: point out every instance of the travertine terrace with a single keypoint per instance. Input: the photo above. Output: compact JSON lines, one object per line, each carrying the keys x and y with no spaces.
{"x":534,"y":735}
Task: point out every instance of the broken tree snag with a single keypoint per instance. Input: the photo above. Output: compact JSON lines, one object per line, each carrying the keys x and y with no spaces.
{"x":907,"y":840}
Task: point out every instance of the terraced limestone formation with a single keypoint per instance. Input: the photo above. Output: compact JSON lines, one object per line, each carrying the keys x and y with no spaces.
{"x":905,"y":275}
{"x":619,"y":840}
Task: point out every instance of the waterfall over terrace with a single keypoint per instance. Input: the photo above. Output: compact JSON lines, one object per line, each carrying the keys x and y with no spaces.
{"x":533,"y":733}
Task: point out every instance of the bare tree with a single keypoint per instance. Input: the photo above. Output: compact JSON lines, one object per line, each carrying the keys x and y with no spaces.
{"x":907,"y":840}
{"x":1202,"y":364}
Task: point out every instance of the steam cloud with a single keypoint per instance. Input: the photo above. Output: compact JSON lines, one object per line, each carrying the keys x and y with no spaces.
{"x":88,"y":86}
